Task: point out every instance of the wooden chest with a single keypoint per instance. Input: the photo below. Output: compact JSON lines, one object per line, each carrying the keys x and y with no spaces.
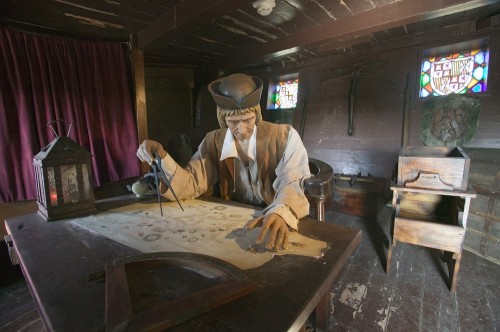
{"x":359,"y":196}
{"x":450,"y":164}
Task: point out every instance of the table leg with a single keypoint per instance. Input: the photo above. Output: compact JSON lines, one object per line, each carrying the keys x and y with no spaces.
{"x":453,"y":263}
{"x":323,"y":313}
{"x":389,"y":257}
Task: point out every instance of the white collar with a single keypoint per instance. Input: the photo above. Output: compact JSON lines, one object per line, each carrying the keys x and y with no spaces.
{"x":229,"y":146}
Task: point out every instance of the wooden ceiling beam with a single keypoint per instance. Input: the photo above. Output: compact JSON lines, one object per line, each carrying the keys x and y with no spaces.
{"x":383,"y":17}
{"x":183,"y":18}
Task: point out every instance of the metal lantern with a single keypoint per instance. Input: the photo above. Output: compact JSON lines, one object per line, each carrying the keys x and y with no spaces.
{"x":63,"y":179}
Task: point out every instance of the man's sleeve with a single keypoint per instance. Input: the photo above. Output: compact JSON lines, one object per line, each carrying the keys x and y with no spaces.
{"x":193,"y":180}
{"x":290,"y":201}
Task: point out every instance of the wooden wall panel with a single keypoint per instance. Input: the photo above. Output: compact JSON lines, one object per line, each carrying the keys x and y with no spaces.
{"x":379,"y":107}
{"x":378,"y":110}
{"x":169,"y":102}
{"x":377,"y":115}
{"x":170,"y":114}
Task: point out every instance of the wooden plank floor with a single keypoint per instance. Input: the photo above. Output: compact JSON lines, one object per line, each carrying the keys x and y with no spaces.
{"x":414,"y":296}
{"x":17,"y":309}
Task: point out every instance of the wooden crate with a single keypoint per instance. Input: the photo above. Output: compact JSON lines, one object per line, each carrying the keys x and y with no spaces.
{"x":483,"y":228}
{"x":450,"y":164}
{"x":482,"y":236}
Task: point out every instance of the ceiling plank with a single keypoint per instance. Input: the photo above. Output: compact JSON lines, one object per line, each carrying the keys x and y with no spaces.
{"x":183,"y":18}
{"x":383,"y":17}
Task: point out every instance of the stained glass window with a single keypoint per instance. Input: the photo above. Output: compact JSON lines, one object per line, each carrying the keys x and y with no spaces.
{"x":461,"y":73}
{"x":285,"y":95}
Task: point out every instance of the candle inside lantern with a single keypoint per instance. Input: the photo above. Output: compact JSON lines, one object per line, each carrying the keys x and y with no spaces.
{"x":52,"y":186}
{"x":53,"y":198}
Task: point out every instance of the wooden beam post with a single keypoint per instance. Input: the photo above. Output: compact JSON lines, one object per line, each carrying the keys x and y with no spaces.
{"x":140,"y":95}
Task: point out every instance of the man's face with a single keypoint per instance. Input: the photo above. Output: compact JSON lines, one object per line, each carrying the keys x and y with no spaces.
{"x":241,"y":126}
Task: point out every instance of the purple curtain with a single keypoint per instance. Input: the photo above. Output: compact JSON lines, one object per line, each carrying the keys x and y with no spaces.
{"x":85,"y":83}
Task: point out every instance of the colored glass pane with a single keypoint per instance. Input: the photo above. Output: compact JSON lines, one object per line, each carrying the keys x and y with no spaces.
{"x":286,"y":94}
{"x":462,"y":73}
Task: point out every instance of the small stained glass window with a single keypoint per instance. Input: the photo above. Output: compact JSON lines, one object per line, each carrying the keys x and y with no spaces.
{"x":460,"y":73}
{"x":286,"y":93}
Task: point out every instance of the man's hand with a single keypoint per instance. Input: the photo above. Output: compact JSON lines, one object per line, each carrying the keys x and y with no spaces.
{"x":277,"y":228}
{"x":146,"y":150}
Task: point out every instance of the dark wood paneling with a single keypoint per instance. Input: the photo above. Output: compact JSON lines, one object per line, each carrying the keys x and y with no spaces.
{"x":169,"y":102}
{"x":375,"y":163}
{"x":377,"y":114}
{"x":299,"y":27}
{"x":170,"y":114}
{"x":378,"y":107}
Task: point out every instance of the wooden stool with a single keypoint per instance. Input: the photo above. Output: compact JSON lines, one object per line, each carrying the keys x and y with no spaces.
{"x":433,"y":218}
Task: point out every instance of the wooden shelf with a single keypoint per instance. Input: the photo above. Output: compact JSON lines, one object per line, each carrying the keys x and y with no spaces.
{"x":410,"y":215}
{"x":458,"y":193}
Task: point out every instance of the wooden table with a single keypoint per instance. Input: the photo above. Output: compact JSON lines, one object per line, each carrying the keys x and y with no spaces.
{"x":58,"y":257}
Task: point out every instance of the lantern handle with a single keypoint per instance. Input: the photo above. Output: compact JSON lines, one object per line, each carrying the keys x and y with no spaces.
{"x":54,"y":121}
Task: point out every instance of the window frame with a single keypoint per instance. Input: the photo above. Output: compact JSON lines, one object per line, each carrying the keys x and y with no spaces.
{"x":445,"y":50}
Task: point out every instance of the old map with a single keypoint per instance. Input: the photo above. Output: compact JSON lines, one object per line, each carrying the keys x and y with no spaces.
{"x":204,"y":227}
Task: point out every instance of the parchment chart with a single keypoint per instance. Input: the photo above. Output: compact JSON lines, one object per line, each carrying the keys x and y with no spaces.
{"x":203,"y":227}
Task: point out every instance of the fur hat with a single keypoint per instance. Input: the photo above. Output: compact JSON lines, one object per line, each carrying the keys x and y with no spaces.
{"x":236,"y":94}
